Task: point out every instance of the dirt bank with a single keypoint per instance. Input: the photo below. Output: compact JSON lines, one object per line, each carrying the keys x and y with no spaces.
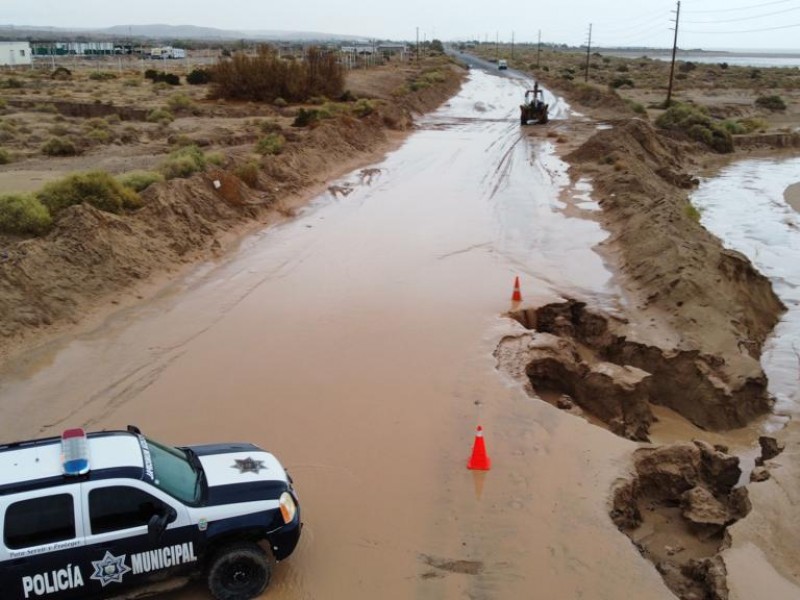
{"x":91,"y":258}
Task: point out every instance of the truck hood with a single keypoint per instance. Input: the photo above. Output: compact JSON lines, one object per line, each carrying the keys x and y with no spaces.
{"x":234,"y":464}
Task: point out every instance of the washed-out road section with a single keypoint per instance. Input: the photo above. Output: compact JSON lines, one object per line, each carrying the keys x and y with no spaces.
{"x":356,"y":342}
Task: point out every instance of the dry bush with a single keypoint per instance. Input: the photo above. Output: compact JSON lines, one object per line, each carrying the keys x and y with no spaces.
{"x":97,"y":188}
{"x":23,"y":213}
{"x":265,"y":77}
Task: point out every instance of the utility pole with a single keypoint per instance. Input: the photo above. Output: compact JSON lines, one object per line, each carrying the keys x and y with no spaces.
{"x":588,"y":53}
{"x":512,"y":44}
{"x":539,"y":49}
{"x":417,"y":44}
{"x":497,"y":44}
{"x":674,"y":51}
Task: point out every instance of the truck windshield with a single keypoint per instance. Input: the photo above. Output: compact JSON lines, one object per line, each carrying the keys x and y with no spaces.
{"x":174,"y":473}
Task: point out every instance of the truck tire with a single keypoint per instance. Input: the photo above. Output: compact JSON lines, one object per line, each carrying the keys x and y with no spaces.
{"x":522,"y":119}
{"x":239,"y":572}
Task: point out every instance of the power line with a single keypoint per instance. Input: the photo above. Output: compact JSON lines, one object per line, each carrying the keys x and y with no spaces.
{"x":750,"y":18}
{"x":751,"y":7}
{"x":746,"y":30}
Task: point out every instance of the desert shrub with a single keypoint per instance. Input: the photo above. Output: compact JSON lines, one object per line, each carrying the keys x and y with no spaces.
{"x":5,"y":156}
{"x":723,"y":65}
{"x":698,"y":125}
{"x":401,"y":91}
{"x":265,"y":77}
{"x":215,"y":158}
{"x":96,"y":123}
{"x":102,"y":75}
{"x":100,"y":136}
{"x":347,"y":96}
{"x":59,"y":146}
{"x":636,"y":107}
{"x":773,"y":102}
{"x":622,"y":68}
{"x":162,"y":77}
{"x":129,"y":135}
{"x":755,"y":74}
{"x":752,"y":124}
{"x":363,"y":108}
{"x":199,"y":77}
{"x":686,"y":67}
{"x":178,"y":102}
{"x":248,"y":172}
{"x":734,"y":127}
{"x":619,"y":82}
{"x":23,"y":214}
{"x":160,"y":115}
{"x":44,"y":107}
{"x":272,"y":143}
{"x":131,"y":83}
{"x":61,"y":74}
{"x":317,"y":100}
{"x":139,"y":181}
{"x":268,"y":126}
{"x":280,"y":102}
{"x":97,"y":188}
{"x":692,"y":212}
{"x":13,"y":83}
{"x":306,"y":117}
{"x":183,"y":162}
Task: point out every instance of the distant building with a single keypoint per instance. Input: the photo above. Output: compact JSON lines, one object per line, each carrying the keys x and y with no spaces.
{"x":388,"y":49}
{"x":14,"y":54}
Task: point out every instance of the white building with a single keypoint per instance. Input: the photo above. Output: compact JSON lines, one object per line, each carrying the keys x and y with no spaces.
{"x":14,"y":54}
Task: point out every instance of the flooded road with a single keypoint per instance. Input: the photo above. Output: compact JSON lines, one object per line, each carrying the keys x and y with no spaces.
{"x":356,"y":343}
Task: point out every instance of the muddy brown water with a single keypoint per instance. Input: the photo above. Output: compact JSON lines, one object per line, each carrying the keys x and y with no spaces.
{"x":355,"y":342}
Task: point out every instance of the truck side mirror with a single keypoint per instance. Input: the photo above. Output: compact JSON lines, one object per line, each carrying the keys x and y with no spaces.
{"x":156,"y":527}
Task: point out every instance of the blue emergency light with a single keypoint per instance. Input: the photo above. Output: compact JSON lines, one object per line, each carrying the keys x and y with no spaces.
{"x":74,"y":452}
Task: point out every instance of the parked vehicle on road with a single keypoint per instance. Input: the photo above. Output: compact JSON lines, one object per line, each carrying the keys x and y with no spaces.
{"x":114,"y":512}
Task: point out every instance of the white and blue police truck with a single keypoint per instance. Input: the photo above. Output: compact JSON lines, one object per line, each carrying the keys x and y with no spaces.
{"x":113,"y":513}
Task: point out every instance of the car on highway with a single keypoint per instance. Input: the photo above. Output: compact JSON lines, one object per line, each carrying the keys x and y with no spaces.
{"x":114,"y":512}
{"x":502,"y":64}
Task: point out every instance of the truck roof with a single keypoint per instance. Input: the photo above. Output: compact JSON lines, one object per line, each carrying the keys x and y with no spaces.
{"x":38,"y":463}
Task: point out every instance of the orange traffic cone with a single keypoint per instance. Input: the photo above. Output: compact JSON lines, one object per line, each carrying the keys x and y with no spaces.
{"x":479,"y":461}
{"x":517,"y":295}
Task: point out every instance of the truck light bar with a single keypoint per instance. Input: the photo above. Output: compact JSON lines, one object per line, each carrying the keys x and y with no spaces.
{"x":74,"y":452}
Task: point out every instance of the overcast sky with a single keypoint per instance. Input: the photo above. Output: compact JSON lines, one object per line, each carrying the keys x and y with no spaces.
{"x":704,"y":23}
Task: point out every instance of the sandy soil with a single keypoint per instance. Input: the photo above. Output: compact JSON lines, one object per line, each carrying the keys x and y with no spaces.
{"x":687,"y":298}
{"x":792,"y":195}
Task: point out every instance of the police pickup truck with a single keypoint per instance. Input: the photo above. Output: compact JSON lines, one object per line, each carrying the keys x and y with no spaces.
{"x":112,"y":513}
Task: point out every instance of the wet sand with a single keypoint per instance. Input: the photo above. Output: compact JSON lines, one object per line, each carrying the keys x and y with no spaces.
{"x":792,"y":195}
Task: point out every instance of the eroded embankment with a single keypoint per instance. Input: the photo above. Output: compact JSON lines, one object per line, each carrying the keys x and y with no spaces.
{"x":588,"y":357}
{"x":89,"y":255}
{"x":713,"y":297}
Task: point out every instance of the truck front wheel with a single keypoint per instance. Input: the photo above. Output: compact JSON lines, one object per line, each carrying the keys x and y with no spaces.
{"x":239,"y":572}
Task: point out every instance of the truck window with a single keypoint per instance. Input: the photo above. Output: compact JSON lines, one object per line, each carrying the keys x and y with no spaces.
{"x":174,"y":473}
{"x":39,"y":521}
{"x":121,"y":507}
